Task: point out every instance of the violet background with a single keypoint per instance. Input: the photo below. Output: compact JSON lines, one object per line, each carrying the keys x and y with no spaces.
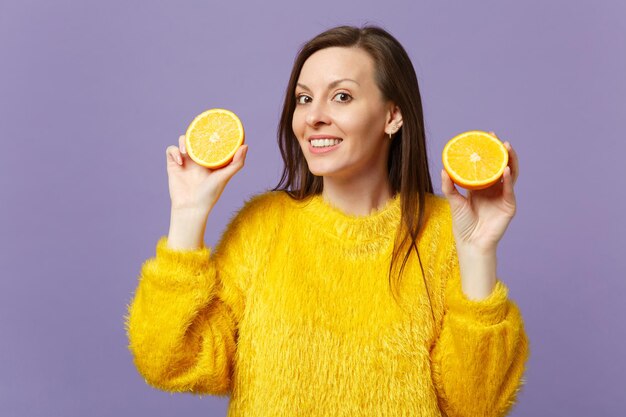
{"x":92,"y":93}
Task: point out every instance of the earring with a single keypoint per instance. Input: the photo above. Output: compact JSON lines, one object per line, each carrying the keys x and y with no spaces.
{"x":394,"y":128}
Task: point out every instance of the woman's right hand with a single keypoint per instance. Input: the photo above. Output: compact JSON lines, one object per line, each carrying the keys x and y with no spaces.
{"x":193,"y":186}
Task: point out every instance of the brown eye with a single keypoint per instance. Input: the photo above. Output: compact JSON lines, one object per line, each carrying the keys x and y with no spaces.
{"x":302,"y":99}
{"x":343,"y":97}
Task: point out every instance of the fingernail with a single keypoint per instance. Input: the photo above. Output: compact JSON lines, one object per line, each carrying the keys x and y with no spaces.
{"x":180,"y":160}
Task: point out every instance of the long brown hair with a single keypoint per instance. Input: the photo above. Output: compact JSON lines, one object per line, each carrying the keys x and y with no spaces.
{"x":407,"y":163}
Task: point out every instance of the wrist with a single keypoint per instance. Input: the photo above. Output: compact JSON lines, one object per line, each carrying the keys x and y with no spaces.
{"x":187,"y":227}
{"x":190,"y":210}
{"x":472,"y":250}
{"x":478,"y":270}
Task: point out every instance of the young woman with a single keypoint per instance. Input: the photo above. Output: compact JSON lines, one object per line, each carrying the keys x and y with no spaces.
{"x":350,"y":289}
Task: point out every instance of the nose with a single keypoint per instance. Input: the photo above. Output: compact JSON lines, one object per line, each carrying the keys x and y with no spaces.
{"x":317,"y":114}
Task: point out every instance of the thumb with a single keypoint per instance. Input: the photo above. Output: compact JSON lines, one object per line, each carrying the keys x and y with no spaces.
{"x":237,"y":162}
{"x":448,"y":188}
{"x":240,"y":155}
{"x":238,"y":158}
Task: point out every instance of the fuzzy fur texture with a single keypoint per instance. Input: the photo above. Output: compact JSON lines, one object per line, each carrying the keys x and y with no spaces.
{"x":291,"y":315}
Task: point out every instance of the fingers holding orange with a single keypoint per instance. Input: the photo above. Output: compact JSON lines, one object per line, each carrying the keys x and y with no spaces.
{"x":507,"y":186}
{"x":447,"y":186}
{"x":513,"y":159}
{"x":172,"y":154}
{"x":181,"y":144}
{"x":241,"y":154}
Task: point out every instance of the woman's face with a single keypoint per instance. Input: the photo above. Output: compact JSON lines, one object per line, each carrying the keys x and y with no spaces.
{"x":338,"y":99}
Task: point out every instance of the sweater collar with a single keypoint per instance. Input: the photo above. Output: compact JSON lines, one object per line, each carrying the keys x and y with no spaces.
{"x":380,"y":224}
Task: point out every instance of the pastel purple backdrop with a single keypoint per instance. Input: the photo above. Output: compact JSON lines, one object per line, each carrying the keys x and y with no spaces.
{"x":92,"y":93}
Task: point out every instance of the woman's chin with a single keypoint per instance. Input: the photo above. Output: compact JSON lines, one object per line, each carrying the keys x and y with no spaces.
{"x":319,"y":173}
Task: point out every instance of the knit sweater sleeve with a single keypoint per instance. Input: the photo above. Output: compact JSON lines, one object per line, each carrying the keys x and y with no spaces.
{"x":479,"y":358}
{"x":183,"y":319}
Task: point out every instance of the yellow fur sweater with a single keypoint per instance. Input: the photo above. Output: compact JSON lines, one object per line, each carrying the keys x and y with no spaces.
{"x":291,"y":314}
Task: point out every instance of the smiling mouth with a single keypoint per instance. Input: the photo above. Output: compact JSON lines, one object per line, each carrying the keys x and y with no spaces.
{"x":324,"y":142}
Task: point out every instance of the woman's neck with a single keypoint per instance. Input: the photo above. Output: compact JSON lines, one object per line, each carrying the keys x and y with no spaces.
{"x":355,"y":198}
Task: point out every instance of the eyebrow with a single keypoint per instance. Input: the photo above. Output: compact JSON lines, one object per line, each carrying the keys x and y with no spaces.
{"x":333,"y":84}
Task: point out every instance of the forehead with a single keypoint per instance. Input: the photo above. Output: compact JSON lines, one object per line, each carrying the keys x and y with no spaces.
{"x":330,"y":64}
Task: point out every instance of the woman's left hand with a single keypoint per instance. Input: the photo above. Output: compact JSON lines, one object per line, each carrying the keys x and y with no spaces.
{"x":480,"y":219}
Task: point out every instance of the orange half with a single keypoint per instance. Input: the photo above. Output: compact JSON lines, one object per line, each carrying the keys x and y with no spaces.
{"x":475,"y":159}
{"x":213,"y":137}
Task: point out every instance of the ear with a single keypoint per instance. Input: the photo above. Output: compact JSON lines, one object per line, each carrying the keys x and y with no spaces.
{"x":393,"y":121}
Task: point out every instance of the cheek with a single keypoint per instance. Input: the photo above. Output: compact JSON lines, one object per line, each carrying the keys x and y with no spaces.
{"x":361,"y":124}
{"x":297,"y":123}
